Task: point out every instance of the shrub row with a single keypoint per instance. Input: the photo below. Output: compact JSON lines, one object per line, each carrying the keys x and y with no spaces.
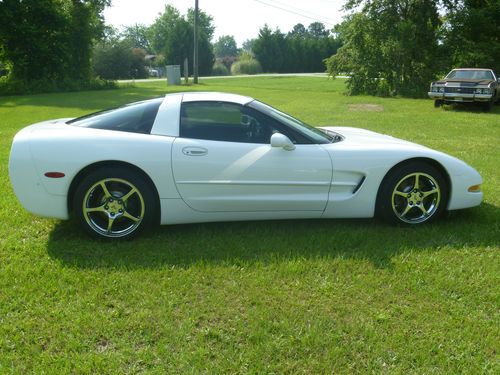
{"x":18,"y":87}
{"x":243,"y":66}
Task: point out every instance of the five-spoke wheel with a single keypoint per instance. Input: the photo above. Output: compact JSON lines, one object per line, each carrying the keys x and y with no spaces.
{"x":114,"y":203}
{"x":412,"y":194}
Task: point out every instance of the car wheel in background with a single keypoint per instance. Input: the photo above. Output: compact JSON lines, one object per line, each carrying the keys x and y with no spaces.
{"x":414,"y":193}
{"x":488,"y":106}
{"x":115,"y":202}
{"x":438,"y":103}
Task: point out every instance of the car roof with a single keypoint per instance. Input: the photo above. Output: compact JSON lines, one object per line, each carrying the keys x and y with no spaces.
{"x":215,"y":97}
{"x":473,"y":69}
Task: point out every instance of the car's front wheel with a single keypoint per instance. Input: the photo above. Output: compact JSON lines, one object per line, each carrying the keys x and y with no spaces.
{"x":438,"y":103}
{"x":115,"y":202}
{"x":488,"y":106}
{"x":414,"y":193}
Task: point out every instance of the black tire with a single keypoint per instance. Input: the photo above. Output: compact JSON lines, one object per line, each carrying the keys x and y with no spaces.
{"x":438,"y":103}
{"x":401,"y":200}
{"x":488,"y":106}
{"x":115,"y":203}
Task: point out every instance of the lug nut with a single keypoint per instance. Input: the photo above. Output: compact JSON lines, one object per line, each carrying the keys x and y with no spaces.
{"x":112,"y":214}
{"x":106,"y":207}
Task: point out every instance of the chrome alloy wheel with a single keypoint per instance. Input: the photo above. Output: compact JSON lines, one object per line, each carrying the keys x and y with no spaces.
{"x":113,"y":207}
{"x":416,"y":198}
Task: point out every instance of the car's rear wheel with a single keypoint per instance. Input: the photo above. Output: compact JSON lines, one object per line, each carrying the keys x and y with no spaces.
{"x":414,"y":193}
{"x":115,"y":203}
{"x":438,"y":103}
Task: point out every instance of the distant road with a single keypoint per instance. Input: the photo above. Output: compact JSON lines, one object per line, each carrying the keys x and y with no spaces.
{"x":319,"y":75}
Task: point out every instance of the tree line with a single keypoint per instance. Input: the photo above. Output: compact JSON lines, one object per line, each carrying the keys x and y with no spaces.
{"x":387,"y":47}
{"x":50,"y":45}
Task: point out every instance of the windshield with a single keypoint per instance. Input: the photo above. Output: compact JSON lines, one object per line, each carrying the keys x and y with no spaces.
{"x":316,"y":135}
{"x":470,"y":74}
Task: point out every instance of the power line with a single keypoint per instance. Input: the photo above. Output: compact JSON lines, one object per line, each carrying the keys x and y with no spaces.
{"x":316,"y":18}
{"x":302,"y":11}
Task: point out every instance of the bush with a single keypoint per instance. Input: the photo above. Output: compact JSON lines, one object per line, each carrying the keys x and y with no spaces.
{"x":18,"y":87}
{"x":247,"y":66}
{"x":219,"y":69}
{"x":227,"y":60}
{"x":116,"y":60}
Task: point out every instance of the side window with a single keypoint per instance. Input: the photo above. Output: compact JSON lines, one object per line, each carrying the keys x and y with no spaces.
{"x":135,"y":118}
{"x":219,"y":121}
{"x":229,"y":122}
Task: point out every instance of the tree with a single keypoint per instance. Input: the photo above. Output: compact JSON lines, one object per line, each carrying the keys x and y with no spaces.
{"x":472,"y":33}
{"x":118,"y":59}
{"x":317,"y":30}
{"x":299,"y":31}
{"x":86,"y":25}
{"x":248,"y":44}
{"x":225,"y":46}
{"x":268,"y":49}
{"x":172,"y":36}
{"x":138,"y":36}
{"x":50,"y":39}
{"x":300,"y":50}
{"x":390,"y":47}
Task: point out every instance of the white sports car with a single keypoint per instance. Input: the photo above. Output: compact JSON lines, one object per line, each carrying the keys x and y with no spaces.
{"x":199,"y":157}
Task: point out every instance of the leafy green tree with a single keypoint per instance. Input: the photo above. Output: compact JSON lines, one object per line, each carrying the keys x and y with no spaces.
{"x":317,"y":30}
{"x":269,"y":48}
{"x":299,"y":31}
{"x":225,"y":46}
{"x":390,"y":47}
{"x":50,"y":39}
{"x":86,"y":25}
{"x":172,"y":36}
{"x":300,"y":50}
{"x":472,"y":33}
{"x":138,"y":36}
{"x":119,"y":59}
{"x":248,"y":45}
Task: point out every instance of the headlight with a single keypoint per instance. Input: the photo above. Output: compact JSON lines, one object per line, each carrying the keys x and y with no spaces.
{"x":486,"y":91}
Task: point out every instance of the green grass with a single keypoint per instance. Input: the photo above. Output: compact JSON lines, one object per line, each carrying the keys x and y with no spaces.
{"x":332,"y":296}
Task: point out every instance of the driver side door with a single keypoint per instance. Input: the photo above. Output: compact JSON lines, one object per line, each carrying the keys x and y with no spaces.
{"x":223,"y":161}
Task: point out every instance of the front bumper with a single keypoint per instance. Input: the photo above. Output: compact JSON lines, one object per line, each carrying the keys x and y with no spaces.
{"x":459,"y":97}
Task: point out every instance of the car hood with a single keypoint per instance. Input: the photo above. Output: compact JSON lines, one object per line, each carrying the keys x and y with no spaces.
{"x":361,"y":144}
{"x":363,"y":137}
{"x":465,"y":82}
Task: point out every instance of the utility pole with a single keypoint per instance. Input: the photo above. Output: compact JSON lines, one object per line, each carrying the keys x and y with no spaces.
{"x":195,"y":54}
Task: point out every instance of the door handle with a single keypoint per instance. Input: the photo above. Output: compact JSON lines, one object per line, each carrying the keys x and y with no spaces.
{"x":194,"y":151}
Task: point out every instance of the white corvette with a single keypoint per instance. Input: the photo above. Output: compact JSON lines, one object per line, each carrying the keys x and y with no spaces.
{"x":199,"y":157}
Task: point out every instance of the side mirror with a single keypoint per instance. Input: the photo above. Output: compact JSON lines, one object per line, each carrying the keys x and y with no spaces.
{"x":280,"y":140}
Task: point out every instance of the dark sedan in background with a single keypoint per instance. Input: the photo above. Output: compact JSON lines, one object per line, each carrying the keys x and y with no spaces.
{"x":467,"y":85}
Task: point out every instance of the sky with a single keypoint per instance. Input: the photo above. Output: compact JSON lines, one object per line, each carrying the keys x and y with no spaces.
{"x":240,"y":18}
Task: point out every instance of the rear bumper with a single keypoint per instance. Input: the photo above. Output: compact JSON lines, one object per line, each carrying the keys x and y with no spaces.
{"x":27,"y":185}
{"x":459,"y":97}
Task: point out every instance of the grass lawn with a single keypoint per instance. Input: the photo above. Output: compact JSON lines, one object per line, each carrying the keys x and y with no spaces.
{"x":332,"y":296}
